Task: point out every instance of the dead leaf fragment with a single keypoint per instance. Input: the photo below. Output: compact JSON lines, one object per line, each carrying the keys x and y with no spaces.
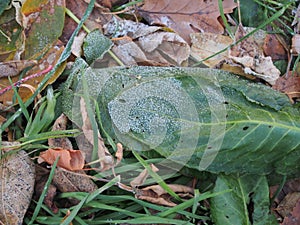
{"x":156,"y":194}
{"x":68,"y":159}
{"x":207,"y":44}
{"x":105,"y":158}
{"x":288,"y":203}
{"x":289,"y":84}
{"x":60,"y":124}
{"x":140,"y":179}
{"x":294,"y":217}
{"x":249,"y":55}
{"x":186,"y":16}
{"x":17,"y":184}
{"x":13,"y":68}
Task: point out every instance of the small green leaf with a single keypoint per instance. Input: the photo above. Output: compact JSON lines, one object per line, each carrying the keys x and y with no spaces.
{"x":95,"y":46}
{"x":247,"y":203}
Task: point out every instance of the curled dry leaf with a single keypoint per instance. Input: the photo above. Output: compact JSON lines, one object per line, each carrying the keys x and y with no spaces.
{"x":245,"y":58}
{"x":250,"y":56}
{"x":105,"y":158}
{"x":60,"y":124}
{"x":186,"y":16}
{"x":140,"y":179}
{"x":156,"y":194}
{"x":147,"y":45}
{"x":68,"y":159}
{"x":17,"y":184}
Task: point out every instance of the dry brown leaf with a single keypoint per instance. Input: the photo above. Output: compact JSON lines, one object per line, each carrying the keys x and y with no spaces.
{"x":141,"y":178}
{"x":68,"y":159}
{"x":73,"y":181}
{"x":294,"y":217}
{"x":105,"y":158}
{"x":40,"y":181}
{"x":49,"y":59}
{"x":156,"y":194}
{"x":13,"y":68}
{"x":119,"y":153}
{"x":207,"y":44}
{"x":250,"y":56}
{"x":288,"y":203}
{"x":146,"y":45}
{"x":17,"y":184}
{"x":289,"y":84}
{"x":273,"y":47}
{"x":60,"y":124}
{"x":186,"y":16}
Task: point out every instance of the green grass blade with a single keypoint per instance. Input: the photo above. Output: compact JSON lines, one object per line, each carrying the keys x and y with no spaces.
{"x":41,"y":199}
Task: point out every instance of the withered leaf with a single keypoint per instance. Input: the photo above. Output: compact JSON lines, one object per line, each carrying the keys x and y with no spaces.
{"x":288,"y":203}
{"x":60,"y":124}
{"x":250,"y":56}
{"x":156,"y":194}
{"x":13,"y":68}
{"x":140,"y":179}
{"x":68,"y":159}
{"x":186,"y":16}
{"x":49,"y":59}
{"x":294,"y":217}
{"x":105,"y":158}
{"x":17,"y":184}
{"x":289,"y":84}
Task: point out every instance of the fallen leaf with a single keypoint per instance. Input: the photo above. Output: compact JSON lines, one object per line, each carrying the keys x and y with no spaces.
{"x":17,"y":184}
{"x":156,"y":194}
{"x":249,"y":55}
{"x":147,"y":45}
{"x":140,"y":179}
{"x":97,"y":18}
{"x":186,"y":17}
{"x":47,"y":61}
{"x":288,"y":203}
{"x":289,"y":84}
{"x":294,"y":217}
{"x":60,"y":124}
{"x":207,"y":44}
{"x":73,"y":181}
{"x":11,"y":45}
{"x":68,"y":159}
{"x":105,"y":158}
{"x":273,"y":47}
{"x":13,"y":68}
{"x":43,"y":22}
{"x":40,"y":181}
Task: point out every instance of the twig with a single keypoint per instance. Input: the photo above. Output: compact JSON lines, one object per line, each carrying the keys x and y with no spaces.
{"x":19,"y":82}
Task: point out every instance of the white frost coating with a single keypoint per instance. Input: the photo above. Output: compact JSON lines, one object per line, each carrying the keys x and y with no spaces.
{"x":167,"y":90}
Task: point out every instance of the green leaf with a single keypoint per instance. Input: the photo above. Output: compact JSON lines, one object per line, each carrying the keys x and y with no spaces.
{"x":252,"y":14}
{"x":200,"y":118}
{"x":3,"y":5}
{"x":247,"y":203}
{"x":95,"y":46}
